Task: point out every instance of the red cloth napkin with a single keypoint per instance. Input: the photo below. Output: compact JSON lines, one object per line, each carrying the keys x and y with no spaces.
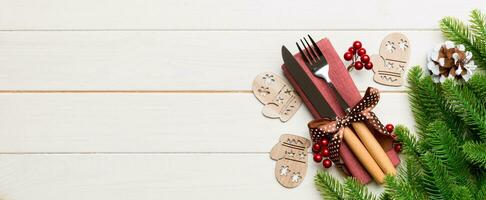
{"x":345,"y":86}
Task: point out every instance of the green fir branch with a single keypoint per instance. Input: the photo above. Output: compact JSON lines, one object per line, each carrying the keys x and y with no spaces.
{"x":445,"y":146}
{"x":355,"y":190}
{"x":477,"y":84}
{"x":478,"y":24}
{"x":425,"y":99}
{"x":476,"y":153}
{"x":328,"y":186}
{"x":481,"y":194}
{"x":414,"y":176}
{"x":398,"y":189}
{"x":437,"y":180}
{"x":410,"y":143}
{"x":428,"y":104}
{"x":478,"y":29}
{"x":465,"y":104}
{"x":457,"y":31}
{"x":461,"y":193}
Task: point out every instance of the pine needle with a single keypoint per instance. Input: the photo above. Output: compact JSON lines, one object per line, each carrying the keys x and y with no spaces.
{"x":446,"y":147}
{"x":355,"y":190}
{"x":478,"y":29}
{"x":465,"y":104}
{"x":476,"y":153}
{"x":410,"y":143}
{"x":477,"y":84}
{"x":455,"y":30}
{"x":328,"y":186}
{"x":428,"y":104}
{"x":437,"y":179}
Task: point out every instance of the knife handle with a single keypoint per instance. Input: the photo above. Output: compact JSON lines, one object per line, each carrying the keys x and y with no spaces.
{"x":363,"y":155}
{"x":374,"y":148}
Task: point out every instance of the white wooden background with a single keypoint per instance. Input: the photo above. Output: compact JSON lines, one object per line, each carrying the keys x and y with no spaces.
{"x":147,"y":99}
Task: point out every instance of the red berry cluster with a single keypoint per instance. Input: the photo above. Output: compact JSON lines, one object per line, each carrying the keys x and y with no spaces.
{"x":357,"y":54}
{"x":397,"y":146}
{"x":321,"y":150}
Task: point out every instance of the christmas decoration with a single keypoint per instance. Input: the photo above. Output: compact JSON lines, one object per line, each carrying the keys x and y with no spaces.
{"x":291,"y":156}
{"x":448,"y":60}
{"x":447,"y":159}
{"x":277,"y":95}
{"x":335,"y":129}
{"x":389,"y":128}
{"x":398,"y":147}
{"x":357,"y":55}
{"x":472,"y":36}
{"x":327,"y":163}
{"x":317,"y":157}
{"x":392,"y":60}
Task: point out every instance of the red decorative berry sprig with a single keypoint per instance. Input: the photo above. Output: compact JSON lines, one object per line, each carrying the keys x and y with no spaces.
{"x":358,"y":57}
{"x":396,"y":145}
{"x":321,"y":151}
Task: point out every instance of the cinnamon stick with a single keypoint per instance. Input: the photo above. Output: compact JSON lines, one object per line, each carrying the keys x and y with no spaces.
{"x":363,"y":155}
{"x":374,"y":148}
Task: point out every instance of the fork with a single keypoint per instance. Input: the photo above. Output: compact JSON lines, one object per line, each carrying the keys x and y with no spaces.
{"x":376,"y":158}
{"x":317,"y":63}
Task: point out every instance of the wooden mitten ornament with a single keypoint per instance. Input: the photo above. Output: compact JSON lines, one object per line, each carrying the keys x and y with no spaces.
{"x":277,"y":95}
{"x":291,"y":156}
{"x":390,"y":64}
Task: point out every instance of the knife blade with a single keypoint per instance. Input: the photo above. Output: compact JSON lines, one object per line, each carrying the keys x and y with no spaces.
{"x":314,"y":96}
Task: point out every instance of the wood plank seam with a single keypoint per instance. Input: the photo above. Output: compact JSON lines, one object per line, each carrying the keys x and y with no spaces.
{"x":146,"y":91}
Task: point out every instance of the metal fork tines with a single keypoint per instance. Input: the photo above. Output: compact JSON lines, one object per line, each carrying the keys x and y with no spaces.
{"x":317,"y":63}
{"x":313,"y":58}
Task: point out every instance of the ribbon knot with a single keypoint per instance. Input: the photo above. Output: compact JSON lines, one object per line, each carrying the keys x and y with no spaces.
{"x":334,"y":128}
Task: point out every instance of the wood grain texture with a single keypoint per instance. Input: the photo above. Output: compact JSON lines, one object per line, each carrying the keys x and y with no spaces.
{"x":218,"y":14}
{"x":154,"y":122}
{"x":120,"y":99}
{"x":148,"y":176}
{"x":168,"y":60}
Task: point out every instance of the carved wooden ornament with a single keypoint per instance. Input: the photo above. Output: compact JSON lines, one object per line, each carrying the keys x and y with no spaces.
{"x":291,"y":156}
{"x":392,"y":61}
{"x":277,"y":95}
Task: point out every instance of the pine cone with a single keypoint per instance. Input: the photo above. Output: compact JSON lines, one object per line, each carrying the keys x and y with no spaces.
{"x":450,"y":61}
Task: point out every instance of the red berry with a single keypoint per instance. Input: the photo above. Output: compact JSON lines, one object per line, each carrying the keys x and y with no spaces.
{"x":369,"y":65}
{"x":325,"y":152}
{"x":365,"y":58}
{"x":324,"y":142}
{"x":389,"y":128}
{"x":316,"y":147}
{"x":398,"y":147}
{"x":348,"y":56}
{"x":327,"y":163}
{"x":317,"y":158}
{"x":361,"y":51}
{"x":358,"y":65}
{"x":357,"y":45}
{"x":351,"y":50}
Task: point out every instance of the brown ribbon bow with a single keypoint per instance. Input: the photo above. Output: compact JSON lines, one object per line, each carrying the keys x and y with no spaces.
{"x":325,"y":127}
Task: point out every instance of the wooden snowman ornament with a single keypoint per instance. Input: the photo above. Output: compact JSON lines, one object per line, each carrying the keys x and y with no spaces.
{"x":392,"y":61}
{"x":291,"y":156}
{"x":277,"y":95}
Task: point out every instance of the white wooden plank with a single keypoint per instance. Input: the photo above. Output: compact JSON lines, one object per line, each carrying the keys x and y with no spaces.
{"x":219,"y":14}
{"x":168,"y":60}
{"x":225,"y":122}
{"x":127,"y":177}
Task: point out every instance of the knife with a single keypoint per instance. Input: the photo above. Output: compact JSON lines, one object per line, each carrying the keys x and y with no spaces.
{"x":324,"y":110}
{"x":314,"y":96}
